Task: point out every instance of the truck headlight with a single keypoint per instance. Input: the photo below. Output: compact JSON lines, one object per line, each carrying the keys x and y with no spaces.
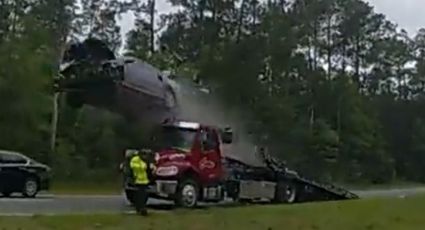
{"x":167,"y":171}
{"x":157,"y":157}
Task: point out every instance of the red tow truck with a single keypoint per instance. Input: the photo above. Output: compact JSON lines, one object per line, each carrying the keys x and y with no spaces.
{"x":191,"y":168}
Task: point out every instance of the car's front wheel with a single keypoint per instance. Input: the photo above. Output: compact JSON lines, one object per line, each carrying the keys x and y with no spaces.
{"x":30,"y":187}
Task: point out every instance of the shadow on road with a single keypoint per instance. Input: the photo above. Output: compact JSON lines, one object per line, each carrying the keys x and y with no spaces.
{"x":206,"y":206}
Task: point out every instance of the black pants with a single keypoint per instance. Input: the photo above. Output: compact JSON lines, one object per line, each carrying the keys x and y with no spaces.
{"x":141,"y":198}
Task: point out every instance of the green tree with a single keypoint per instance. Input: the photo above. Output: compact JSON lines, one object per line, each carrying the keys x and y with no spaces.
{"x":98,"y":19}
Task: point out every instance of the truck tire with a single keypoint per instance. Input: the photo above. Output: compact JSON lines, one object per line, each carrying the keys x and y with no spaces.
{"x":291,"y":193}
{"x":286,"y":193}
{"x":279,"y":195}
{"x":187,"y":194}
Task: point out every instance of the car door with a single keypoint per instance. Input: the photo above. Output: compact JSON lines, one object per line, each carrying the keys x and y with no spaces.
{"x":2,"y":173}
{"x":13,"y":168}
{"x":209,"y":163}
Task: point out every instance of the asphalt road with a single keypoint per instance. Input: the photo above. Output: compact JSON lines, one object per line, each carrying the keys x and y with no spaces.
{"x":70,"y":204}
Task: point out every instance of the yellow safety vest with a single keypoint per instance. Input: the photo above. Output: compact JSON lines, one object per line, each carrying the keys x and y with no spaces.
{"x":139,"y":168}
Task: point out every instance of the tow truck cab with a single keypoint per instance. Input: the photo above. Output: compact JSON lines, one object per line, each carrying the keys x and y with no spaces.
{"x":189,"y":163}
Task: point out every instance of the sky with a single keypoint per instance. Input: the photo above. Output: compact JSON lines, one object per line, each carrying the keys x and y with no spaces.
{"x":406,"y":13}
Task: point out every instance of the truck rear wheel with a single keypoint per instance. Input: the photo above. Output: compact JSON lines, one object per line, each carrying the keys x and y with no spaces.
{"x":187,"y":194}
{"x":286,"y":193}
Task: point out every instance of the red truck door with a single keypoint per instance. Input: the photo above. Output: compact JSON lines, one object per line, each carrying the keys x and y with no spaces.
{"x":209,"y":163}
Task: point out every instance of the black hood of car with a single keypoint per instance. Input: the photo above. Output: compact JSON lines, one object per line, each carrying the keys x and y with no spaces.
{"x":37,"y":164}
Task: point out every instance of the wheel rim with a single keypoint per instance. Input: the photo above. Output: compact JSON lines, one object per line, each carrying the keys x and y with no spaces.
{"x":189,"y":195}
{"x":30,"y":187}
{"x":290,"y":194}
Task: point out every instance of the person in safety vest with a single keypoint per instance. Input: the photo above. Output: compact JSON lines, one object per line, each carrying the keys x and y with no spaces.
{"x":139,"y":166}
{"x":127,"y":173}
{"x":125,"y":167}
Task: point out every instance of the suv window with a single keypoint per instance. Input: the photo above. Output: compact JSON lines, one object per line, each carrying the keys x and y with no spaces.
{"x":8,"y":158}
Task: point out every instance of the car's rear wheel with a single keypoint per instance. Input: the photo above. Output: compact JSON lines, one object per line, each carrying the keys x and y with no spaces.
{"x":30,"y":187}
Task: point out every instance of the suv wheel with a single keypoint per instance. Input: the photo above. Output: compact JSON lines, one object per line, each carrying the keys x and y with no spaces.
{"x":30,"y":187}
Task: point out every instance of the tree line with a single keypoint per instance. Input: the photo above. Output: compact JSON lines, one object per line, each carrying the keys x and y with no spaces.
{"x":331,"y":86}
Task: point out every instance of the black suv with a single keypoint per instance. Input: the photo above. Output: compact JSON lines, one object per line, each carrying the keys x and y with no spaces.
{"x":21,"y":174}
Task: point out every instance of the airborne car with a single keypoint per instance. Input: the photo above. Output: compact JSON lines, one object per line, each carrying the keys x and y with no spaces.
{"x":91,"y":74}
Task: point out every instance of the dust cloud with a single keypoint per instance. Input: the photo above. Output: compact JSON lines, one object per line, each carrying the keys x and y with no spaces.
{"x":200,"y":105}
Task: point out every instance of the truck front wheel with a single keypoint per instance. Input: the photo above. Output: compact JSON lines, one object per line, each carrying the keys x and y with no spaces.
{"x":187,"y":194}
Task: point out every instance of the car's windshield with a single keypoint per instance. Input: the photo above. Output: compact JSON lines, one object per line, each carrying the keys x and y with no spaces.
{"x":173,"y":137}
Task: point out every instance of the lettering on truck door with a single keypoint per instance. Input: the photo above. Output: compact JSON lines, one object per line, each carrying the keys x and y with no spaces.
{"x":210,"y":155}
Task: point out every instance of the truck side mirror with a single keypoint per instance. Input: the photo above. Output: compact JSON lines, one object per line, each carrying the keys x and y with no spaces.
{"x":227,"y":136}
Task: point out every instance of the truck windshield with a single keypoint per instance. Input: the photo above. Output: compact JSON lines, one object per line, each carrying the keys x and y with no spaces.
{"x":173,"y":137}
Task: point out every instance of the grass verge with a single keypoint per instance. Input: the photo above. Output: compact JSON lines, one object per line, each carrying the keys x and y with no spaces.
{"x":386,"y":214}
{"x":394,"y":185}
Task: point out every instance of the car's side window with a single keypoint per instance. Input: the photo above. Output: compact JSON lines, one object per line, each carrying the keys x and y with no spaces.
{"x":12,"y":159}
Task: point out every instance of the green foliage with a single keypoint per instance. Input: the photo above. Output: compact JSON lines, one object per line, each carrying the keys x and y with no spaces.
{"x":23,"y":78}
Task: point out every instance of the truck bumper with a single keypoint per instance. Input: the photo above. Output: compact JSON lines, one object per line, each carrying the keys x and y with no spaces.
{"x":163,"y":189}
